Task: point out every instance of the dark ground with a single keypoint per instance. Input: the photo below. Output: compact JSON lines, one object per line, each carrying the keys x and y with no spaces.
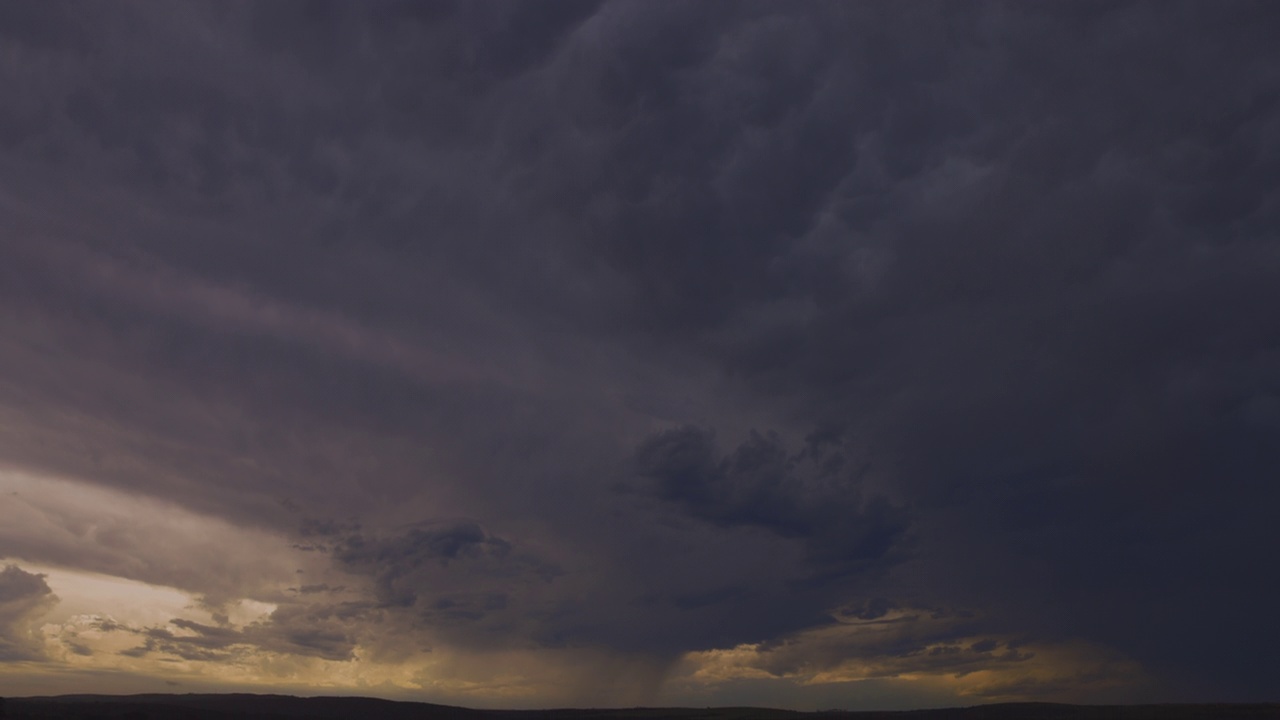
{"x":264,"y":707}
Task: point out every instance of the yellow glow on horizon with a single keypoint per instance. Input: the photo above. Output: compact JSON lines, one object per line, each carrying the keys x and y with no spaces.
{"x":92,"y":529}
{"x":851,"y":652}
{"x":88,"y":593}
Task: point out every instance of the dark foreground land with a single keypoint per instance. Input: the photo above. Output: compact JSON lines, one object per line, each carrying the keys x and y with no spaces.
{"x":283,"y":707}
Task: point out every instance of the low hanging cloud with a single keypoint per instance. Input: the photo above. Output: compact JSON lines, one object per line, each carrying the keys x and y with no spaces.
{"x":327,"y":632}
{"x":946,"y":646}
{"x":455,"y":579}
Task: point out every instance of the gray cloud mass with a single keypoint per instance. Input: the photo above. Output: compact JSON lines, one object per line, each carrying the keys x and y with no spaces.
{"x":660,"y":328}
{"x":22,"y":596}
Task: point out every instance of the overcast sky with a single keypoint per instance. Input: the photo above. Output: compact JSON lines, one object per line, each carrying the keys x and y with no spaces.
{"x":856,"y":354}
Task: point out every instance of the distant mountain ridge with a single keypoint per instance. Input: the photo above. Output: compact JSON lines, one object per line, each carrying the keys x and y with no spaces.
{"x":239,"y":706}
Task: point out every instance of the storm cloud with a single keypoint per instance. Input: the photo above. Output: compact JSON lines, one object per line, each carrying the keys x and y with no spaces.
{"x":812,"y":495}
{"x":699,"y":337}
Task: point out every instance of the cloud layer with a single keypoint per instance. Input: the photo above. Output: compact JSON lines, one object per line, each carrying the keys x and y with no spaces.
{"x":491,"y":347}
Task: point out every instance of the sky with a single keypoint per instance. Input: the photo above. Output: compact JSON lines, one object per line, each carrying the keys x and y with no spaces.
{"x":798,"y":354}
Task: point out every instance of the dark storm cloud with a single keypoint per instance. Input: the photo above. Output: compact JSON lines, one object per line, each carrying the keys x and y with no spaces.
{"x":405,"y":565}
{"x":1031,"y":292}
{"x":812,"y":495}
{"x":472,"y":587}
{"x":1014,"y":264}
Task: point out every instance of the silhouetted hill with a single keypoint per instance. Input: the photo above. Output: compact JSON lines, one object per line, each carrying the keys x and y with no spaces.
{"x":284,"y":707}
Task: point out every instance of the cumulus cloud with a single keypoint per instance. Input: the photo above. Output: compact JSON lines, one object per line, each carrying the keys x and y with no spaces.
{"x":24,"y":598}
